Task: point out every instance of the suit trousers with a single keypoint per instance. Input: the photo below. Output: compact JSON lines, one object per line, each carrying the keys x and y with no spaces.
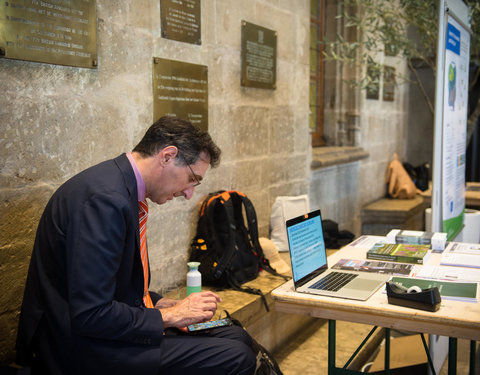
{"x":223,"y":350}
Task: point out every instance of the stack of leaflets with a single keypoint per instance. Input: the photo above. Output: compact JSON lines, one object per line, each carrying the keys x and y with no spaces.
{"x":403,"y":253}
{"x":437,"y":240}
{"x":414,"y":237}
{"x":461,"y":254}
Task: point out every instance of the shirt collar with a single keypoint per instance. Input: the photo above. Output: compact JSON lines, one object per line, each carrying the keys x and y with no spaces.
{"x":142,"y":191}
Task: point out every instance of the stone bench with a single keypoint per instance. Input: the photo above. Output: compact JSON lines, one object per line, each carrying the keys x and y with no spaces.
{"x":383,"y":215}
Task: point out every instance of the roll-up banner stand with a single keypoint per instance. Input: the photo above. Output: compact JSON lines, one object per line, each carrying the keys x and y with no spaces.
{"x":450,"y":133}
{"x":450,"y":130}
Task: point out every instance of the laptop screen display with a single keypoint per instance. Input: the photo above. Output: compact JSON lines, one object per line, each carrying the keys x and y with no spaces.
{"x":307,"y":245}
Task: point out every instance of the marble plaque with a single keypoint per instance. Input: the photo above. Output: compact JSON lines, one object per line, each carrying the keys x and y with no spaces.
{"x":180,"y":89}
{"x":62,"y":32}
{"x":181,"y":20}
{"x":258,"y":56}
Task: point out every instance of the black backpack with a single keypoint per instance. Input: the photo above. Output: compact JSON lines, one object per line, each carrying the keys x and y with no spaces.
{"x":226,"y":245}
{"x":334,"y":238}
{"x":266,"y":362}
{"x":420,"y":175}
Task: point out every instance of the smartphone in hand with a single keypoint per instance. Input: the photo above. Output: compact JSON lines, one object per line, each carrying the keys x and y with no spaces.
{"x":209,"y":325}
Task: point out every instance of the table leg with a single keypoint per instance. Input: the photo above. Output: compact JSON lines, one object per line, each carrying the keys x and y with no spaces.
{"x":472,"y":357}
{"x":427,"y":352}
{"x":331,"y":347}
{"x":452,"y":356}
{"x":387,"y":351}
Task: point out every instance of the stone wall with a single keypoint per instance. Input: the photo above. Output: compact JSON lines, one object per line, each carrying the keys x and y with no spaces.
{"x":57,"y":121}
{"x":341,"y":191}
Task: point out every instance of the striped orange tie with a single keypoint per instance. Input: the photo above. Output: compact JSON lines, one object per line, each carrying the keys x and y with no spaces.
{"x":142,"y":217}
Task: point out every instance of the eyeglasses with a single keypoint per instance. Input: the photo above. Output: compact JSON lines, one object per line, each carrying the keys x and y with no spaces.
{"x":197,"y":182}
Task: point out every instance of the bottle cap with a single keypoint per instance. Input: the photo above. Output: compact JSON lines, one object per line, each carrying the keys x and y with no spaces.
{"x":193,"y":265}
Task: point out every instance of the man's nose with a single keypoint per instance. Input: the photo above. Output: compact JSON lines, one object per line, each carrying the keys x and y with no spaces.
{"x":188,"y":193}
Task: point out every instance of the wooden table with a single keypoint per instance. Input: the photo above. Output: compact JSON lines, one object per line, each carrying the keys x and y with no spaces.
{"x":472,"y":195}
{"x":454,"y":319}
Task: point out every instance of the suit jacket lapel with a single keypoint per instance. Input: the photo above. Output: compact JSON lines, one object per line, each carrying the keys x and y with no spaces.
{"x":131,"y":184}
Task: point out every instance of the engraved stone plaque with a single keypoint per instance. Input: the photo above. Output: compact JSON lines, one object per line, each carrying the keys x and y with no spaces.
{"x":180,"y":89}
{"x":259,"y":56}
{"x":181,"y":20}
{"x":62,"y":32}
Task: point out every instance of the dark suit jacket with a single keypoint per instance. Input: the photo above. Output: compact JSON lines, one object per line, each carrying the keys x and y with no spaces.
{"x":82,"y":310}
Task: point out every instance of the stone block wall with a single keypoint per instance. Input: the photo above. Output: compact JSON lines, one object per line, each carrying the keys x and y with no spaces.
{"x":340,"y":191}
{"x":57,"y":121}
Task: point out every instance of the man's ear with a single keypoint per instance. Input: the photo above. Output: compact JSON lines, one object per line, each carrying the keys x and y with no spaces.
{"x":168,"y":154}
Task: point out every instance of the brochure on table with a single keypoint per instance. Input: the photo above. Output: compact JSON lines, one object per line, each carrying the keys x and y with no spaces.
{"x":462,"y":255}
{"x":446,"y":273}
{"x":458,"y":265}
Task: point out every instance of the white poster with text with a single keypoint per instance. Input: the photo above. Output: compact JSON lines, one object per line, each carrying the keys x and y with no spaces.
{"x":455,"y":125}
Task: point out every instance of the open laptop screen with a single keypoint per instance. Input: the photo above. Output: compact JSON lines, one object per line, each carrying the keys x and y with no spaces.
{"x":307,"y":246}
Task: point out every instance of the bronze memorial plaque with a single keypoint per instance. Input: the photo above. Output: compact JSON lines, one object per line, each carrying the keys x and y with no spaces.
{"x":62,"y":32}
{"x":180,"y":89}
{"x":181,"y":20}
{"x":259,"y":56}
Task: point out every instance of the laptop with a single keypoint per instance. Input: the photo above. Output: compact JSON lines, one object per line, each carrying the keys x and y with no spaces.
{"x":308,"y":257}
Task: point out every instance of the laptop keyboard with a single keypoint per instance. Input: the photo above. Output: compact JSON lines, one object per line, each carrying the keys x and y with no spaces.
{"x":333,"y":281}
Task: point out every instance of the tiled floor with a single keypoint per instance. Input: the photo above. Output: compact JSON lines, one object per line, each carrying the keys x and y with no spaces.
{"x":308,"y":353}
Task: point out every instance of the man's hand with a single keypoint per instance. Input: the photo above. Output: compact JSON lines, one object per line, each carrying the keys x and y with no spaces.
{"x":165,"y":302}
{"x":196,"y":308}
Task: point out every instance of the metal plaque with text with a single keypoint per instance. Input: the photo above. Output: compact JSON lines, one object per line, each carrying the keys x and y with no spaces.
{"x":181,"y":20}
{"x":62,"y":32}
{"x":180,"y":89}
{"x":259,"y":56}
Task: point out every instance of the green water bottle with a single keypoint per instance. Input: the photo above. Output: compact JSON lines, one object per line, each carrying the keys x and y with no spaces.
{"x":194,"y":278}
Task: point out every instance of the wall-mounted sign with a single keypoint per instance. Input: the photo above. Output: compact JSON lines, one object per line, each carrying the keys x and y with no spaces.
{"x":180,"y":89}
{"x":259,"y":56}
{"x":388,"y":83}
{"x":373,"y":82}
{"x":181,"y":20}
{"x":62,"y":32}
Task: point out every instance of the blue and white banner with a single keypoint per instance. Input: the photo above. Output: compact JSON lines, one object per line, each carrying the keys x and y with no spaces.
{"x":455,"y":104}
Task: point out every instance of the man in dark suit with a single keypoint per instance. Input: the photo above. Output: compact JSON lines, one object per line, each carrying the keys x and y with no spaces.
{"x":86,"y":308}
